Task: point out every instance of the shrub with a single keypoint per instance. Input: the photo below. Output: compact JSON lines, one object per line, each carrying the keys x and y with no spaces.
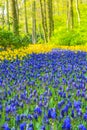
{"x":8,"y":39}
{"x":74,"y":37}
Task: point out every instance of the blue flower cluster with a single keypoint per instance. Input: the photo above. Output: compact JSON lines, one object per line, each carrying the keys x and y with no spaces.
{"x":44,"y":92}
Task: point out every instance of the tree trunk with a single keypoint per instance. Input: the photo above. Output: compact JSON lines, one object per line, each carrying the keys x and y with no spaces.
{"x":26,"y":22}
{"x":3,"y":20}
{"x":71,"y":15}
{"x":7,"y":8}
{"x":58,"y":5}
{"x":45,"y":19}
{"x":78,"y":11}
{"x":15,"y":19}
{"x":34,"y":21}
{"x":68,"y":17}
{"x":17,"y":10}
{"x":43,"y":22}
{"x":62,"y":6}
{"x":50,"y":18}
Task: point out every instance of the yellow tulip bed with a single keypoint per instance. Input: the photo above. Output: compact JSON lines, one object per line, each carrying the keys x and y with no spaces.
{"x":36,"y":48}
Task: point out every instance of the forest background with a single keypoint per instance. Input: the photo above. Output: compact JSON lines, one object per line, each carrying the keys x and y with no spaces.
{"x":61,"y":22}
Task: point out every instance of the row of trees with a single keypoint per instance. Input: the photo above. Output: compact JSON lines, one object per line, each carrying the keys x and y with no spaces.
{"x":46,"y":14}
{"x":37,"y":16}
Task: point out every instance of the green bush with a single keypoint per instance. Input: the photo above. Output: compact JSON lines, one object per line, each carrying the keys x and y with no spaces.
{"x":26,"y":39}
{"x":8,"y":39}
{"x":74,"y":37}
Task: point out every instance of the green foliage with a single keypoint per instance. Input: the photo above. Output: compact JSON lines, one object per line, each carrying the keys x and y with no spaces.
{"x":72,"y":38}
{"x":8,"y":39}
{"x":26,"y":39}
{"x":61,"y":36}
{"x":40,"y":38}
{"x":65,"y":37}
{"x":77,"y":36}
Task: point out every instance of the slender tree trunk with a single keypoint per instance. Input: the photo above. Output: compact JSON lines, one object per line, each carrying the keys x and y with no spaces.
{"x":7,"y":8}
{"x":58,"y":5}
{"x":68,"y":18}
{"x":44,"y":28}
{"x":78,"y":11}
{"x":45,"y":19}
{"x":15,"y":19}
{"x":50,"y":18}
{"x":62,"y":6}
{"x":71,"y":14}
{"x":3,"y":19}
{"x":34,"y":21}
{"x":26,"y":22}
{"x":17,"y":10}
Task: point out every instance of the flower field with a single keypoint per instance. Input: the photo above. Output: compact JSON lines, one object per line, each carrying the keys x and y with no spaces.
{"x":36,"y":48}
{"x":43,"y":88}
